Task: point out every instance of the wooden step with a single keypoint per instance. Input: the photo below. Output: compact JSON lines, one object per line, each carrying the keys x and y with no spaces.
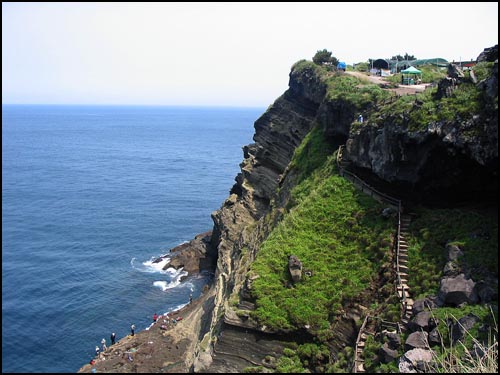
{"x":400,"y":294}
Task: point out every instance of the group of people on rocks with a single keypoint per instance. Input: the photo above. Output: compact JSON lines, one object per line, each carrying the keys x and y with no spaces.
{"x":166,"y":320}
{"x":103,"y":345}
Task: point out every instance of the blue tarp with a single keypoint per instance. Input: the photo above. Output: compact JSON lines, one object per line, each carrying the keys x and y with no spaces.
{"x":341,"y":65}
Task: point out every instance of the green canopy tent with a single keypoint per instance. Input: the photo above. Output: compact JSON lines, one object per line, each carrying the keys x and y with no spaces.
{"x":408,"y":75}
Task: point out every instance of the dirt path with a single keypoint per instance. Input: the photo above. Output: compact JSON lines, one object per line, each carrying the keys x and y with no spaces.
{"x":400,"y":90}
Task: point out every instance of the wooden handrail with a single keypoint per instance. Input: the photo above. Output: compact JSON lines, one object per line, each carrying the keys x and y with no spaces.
{"x":388,"y":199}
{"x":355,"y":369}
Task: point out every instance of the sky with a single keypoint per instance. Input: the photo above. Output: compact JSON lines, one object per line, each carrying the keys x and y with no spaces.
{"x":214,"y":54}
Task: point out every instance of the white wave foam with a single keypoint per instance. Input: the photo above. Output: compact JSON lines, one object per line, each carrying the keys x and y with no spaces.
{"x":175,"y":275}
{"x":151,"y":266}
{"x":176,"y":308}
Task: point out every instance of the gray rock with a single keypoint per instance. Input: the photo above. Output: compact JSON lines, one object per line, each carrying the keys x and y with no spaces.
{"x":454,"y":291}
{"x":393,"y":340}
{"x":416,"y":360}
{"x":485,"y":292}
{"x":423,"y":304}
{"x":420,"y":321}
{"x":417,"y":340}
{"x":453,"y":252}
{"x":434,"y":337}
{"x":387,"y":354}
{"x":451,"y":268}
{"x":464,"y":324}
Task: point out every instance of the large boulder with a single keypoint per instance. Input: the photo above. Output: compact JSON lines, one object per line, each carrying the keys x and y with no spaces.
{"x":454,"y":291}
{"x":422,"y":321}
{"x":417,"y":340}
{"x":393,"y":339}
{"x":416,"y":360}
{"x":462,"y":326}
{"x":387,"y":354}
{"x":427,"y":303}
{"x":485,"y":292}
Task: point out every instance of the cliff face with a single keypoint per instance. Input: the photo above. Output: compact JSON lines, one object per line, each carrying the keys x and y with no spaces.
{"x":453,"y":160}
{"x":458,"y":156}
{"x":439,"y":157}
{"x":236,"y":224}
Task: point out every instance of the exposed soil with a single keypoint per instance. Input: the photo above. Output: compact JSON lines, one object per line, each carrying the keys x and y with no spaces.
{"x":382,"y":82}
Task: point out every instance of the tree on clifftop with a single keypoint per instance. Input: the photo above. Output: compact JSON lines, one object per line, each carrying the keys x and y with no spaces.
{"x":325,"y":57}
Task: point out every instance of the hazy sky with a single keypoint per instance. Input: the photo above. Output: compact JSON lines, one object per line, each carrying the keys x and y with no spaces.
{"x":226,"y":54}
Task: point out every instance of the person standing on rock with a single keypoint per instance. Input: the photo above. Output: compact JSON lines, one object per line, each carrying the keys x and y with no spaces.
{"x":97,"y":351}
{"x":113,"y":338}
{"x":132,"y":329}
{"x":103,"y":343}
{"x":155,"y":317}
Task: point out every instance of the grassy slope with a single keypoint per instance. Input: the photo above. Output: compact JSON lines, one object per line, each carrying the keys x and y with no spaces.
{"x":338,"y":234}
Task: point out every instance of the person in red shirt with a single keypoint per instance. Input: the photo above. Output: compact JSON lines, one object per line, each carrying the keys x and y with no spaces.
{"x":155,"y":317}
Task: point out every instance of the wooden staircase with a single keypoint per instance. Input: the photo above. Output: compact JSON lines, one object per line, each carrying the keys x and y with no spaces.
{"x":359,"y":362}
{"x":402,"y":269}
{"x":401,"y":262}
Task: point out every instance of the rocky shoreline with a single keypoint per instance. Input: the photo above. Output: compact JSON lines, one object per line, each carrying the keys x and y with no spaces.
{"x":167,"y":346}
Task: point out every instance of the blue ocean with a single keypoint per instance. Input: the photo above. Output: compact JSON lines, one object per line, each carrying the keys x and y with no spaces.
{"x":90,"y":196}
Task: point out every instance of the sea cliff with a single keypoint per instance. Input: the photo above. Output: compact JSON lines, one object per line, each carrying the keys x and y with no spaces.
{"x":435,"y":149}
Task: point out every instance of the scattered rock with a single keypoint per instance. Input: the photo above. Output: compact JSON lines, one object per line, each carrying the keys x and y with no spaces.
{"x":295,"y":267}
{"x":393,"y":339}
{"x":462,"y":326}
{"x":485,"y":292}
{"x":387,"y":354}
{"x":417,"y":340}
{"x":454,"y":291}
{"x":453,"y":252}
{"x":423,"y":304}
{"x":416,"y":360}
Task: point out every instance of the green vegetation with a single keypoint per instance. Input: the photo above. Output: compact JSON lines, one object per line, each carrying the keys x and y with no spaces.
{"x":311,"y":153}
{"x":476,"y":232}
{"x":354,"y":91}
{"x":430,"y":74}
{"x":338,"y":234}
{"x":417,"y":112}
{"x":483,"y":70}
{"x":461,"y":357}
{"x":362,"y":67}
{"x":323,"y":56}
{"x":302,"y":65}
{"x":345,"y":244}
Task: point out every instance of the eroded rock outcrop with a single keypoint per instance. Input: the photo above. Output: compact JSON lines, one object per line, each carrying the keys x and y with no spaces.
{"x":455,"y":159}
